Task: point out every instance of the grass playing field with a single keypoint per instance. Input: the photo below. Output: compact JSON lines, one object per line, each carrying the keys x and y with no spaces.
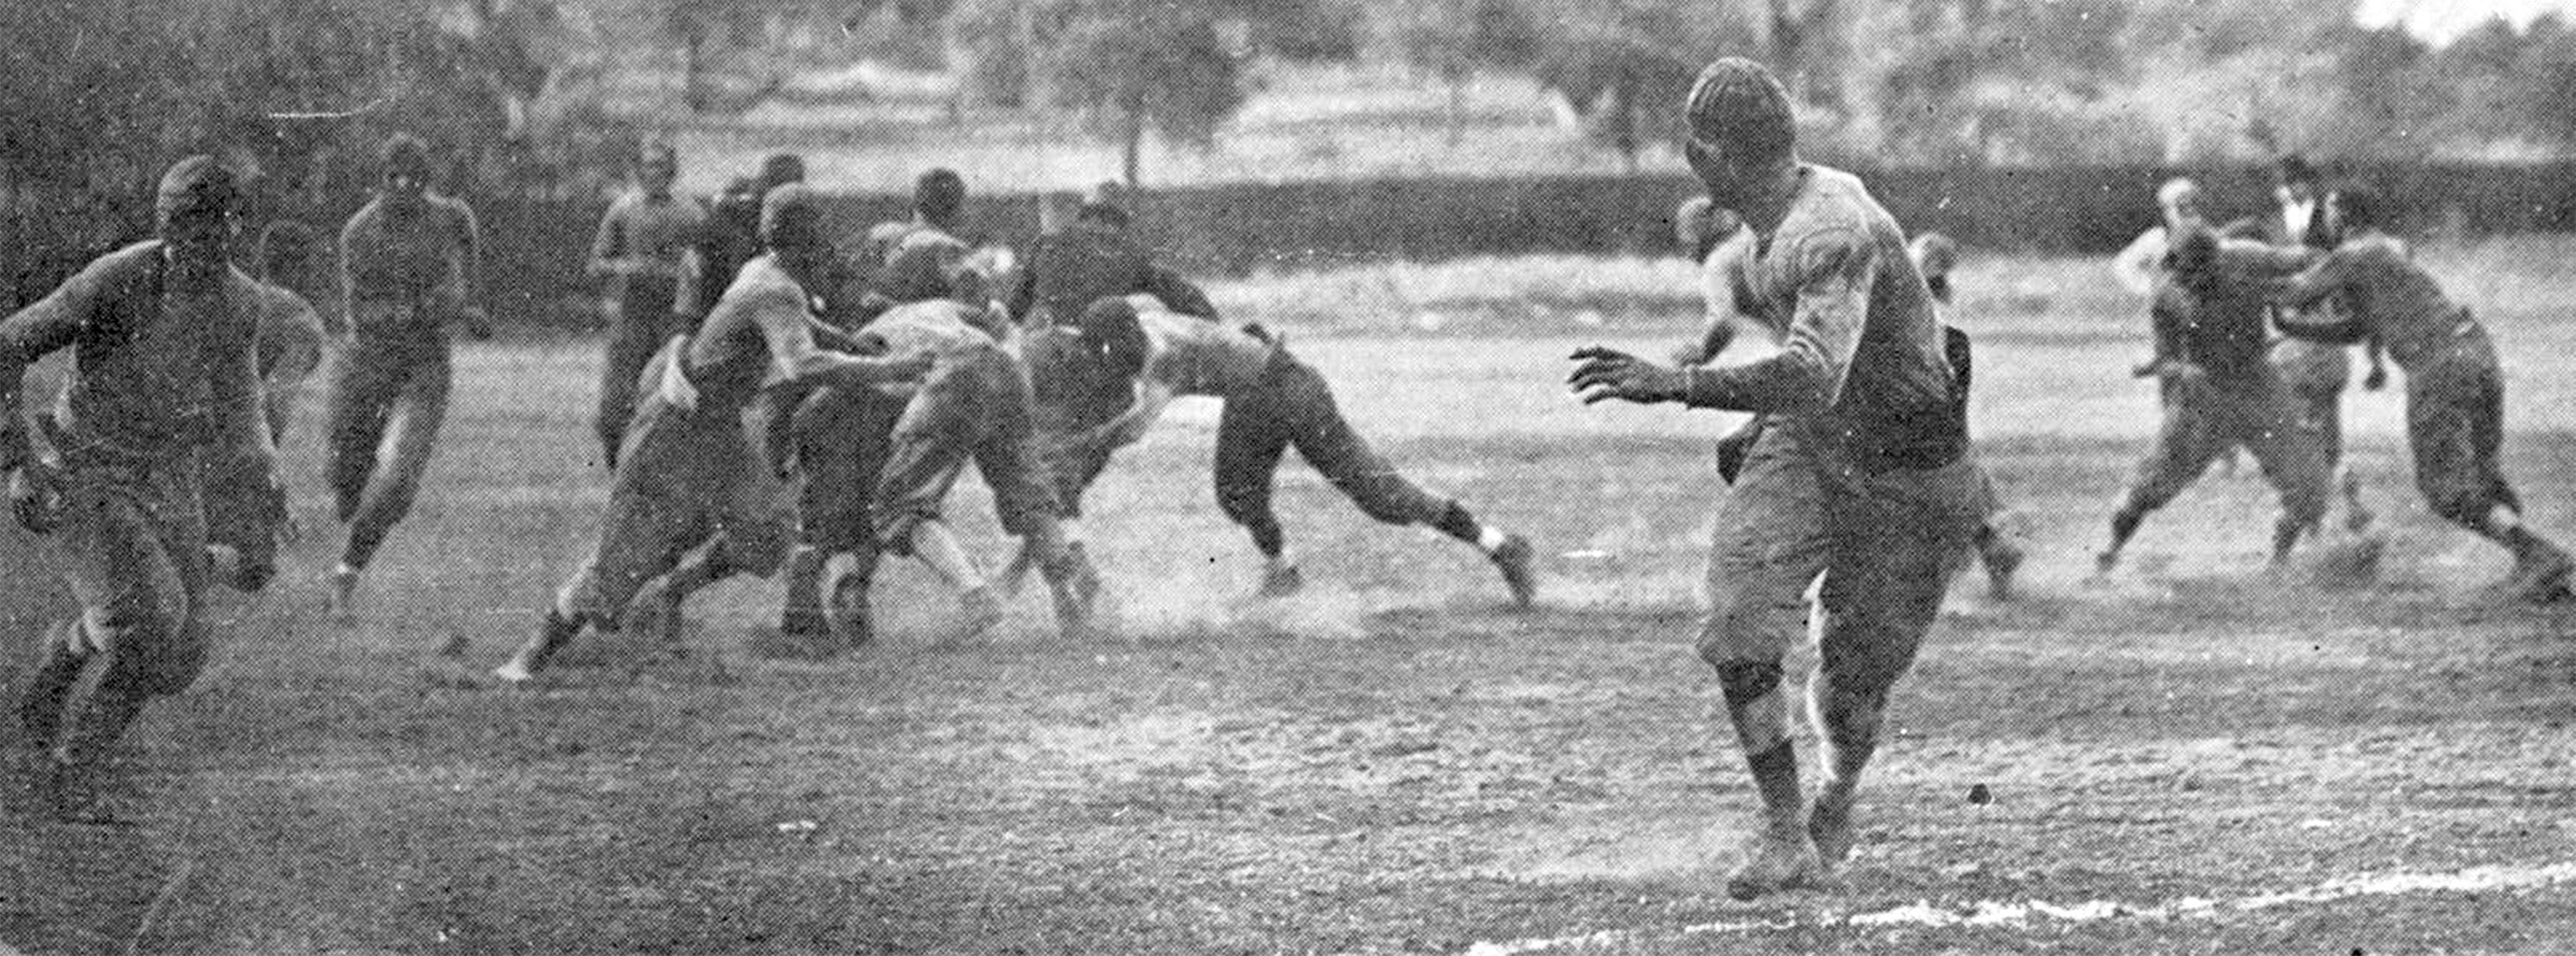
{"x":2191,"y":756}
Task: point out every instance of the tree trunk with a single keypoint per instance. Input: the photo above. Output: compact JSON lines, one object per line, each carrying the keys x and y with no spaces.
{"x":1458,"y":108}
{"x":1134,"y":137}
{"x":692,"y":62}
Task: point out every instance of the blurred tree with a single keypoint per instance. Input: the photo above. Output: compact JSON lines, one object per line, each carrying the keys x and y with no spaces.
{"x":1630,"y":87}
{"x":726,"y":66}
{"x":1455,"y":39}
{"x":1170,"y":66}
{"x":1134,"y":64}
{"x":2546,"y":84}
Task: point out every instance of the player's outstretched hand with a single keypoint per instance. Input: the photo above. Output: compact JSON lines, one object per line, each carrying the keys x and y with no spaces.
{"x":36,"y":497}
{"x":1609,"y":373}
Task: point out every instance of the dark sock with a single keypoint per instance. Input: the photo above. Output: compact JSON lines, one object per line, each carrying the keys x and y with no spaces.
{"x":1455,"y":522}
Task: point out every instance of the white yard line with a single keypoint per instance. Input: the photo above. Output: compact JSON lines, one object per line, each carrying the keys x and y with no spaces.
{"x":1994,"y":913}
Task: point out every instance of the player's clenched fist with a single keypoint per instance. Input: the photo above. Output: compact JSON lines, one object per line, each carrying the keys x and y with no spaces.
{"x":1610,"y":373}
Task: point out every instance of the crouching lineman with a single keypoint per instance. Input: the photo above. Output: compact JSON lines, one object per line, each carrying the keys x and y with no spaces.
{"x":1273,"y":402}
{"x":691,"y":477}
{"x":1860,"y":474}
{"x":164,"y":371}
{"x":2454,"y":389}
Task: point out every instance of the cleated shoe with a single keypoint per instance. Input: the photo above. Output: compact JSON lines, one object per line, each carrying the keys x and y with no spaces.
{"x":1283,"y":581}
{"x":1515,"y":559}
{"x":1774,"y":863}
{"x":1829,"y":827}
{"x":552,"y":635}
{"x":2542,"y":577}
{"x":2001,"y":558}
{"x":849,"y":623}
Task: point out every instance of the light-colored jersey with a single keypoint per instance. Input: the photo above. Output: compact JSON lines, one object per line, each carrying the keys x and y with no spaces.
{"x":1195,"y":356}
{"x":2142,"y":262}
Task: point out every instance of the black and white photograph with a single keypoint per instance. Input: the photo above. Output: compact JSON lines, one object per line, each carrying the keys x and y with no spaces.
{"x":1469,"y":477}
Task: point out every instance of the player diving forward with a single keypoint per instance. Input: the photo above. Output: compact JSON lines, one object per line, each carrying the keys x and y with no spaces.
{"x":1860,"y":475}
{"x":164,"y":371}
{"x":1273,"y":402}
{"x":691,"y":477}
{"x":2454,"y":389}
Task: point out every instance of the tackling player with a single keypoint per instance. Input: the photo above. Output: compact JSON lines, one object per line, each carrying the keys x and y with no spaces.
{"x":1273,"y":402}
{"x":2454,"y":387}
{"x":2221,"y":393}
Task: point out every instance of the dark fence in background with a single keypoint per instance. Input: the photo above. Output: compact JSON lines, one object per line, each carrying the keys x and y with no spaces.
{"x":536,"y":247}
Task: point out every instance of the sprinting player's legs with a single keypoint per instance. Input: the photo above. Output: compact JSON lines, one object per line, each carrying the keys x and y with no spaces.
{"x":2455,"y":427}
{"x":1884,"y":546}
{"x":1294,"y":407}
{"x":1998,"y":553}
{"x":2186,"y":443}
{"x":374,"y":492}
{"x":1770,"y":544}
{"x":362,"y":395}
{"x":637,"y":326}
{"x":131,"y":549}
{"x":1882,"y":590}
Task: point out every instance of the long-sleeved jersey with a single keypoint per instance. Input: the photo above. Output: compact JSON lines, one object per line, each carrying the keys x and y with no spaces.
{"x":1859,"y":346}
{"x":158,"y":368}
{"x":2385,"y":294}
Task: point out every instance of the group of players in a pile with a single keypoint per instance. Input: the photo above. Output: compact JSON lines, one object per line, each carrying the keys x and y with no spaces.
{"x":768,"y":401}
